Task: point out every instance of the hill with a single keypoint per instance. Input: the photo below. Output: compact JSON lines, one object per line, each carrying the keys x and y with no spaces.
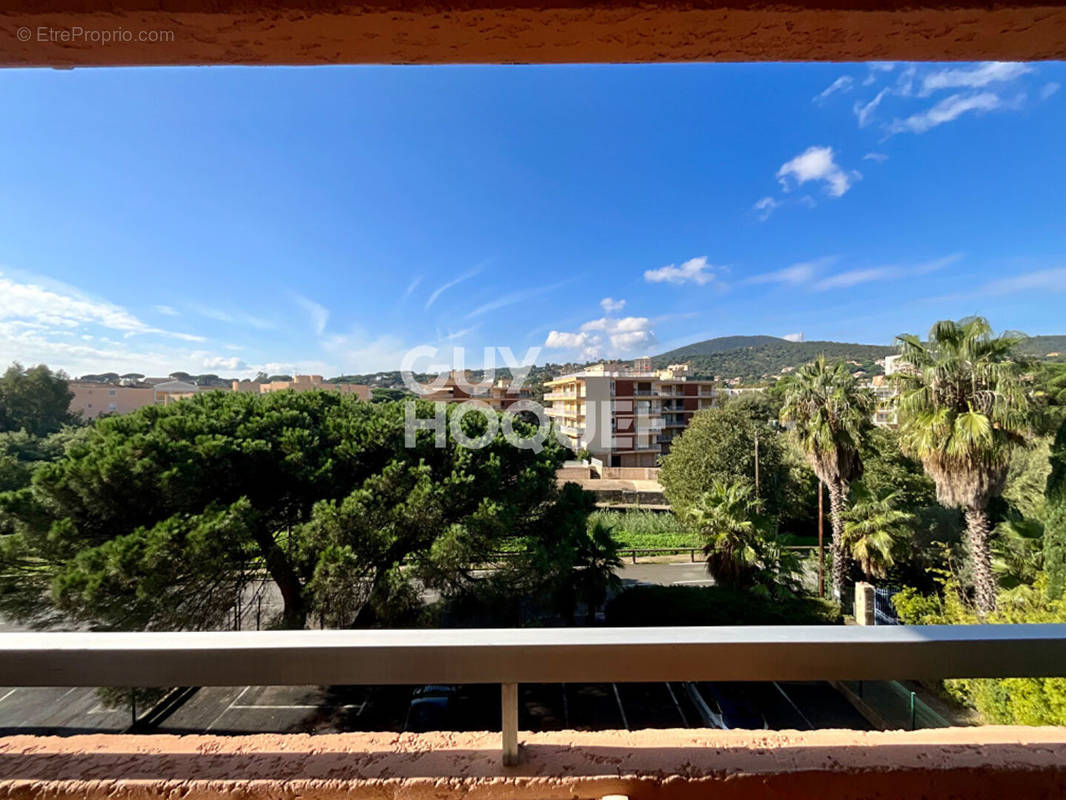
{"x":1048,"y":348}
{"x":753,"y":359}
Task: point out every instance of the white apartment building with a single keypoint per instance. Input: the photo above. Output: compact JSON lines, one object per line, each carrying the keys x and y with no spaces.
{"x":627,"y":418}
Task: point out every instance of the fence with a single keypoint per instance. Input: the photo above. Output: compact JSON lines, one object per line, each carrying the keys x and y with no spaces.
{"x":884,"y":609}
{"x":546,"y":655}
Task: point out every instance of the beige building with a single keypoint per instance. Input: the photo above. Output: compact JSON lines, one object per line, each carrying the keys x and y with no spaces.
{"x":92,"y":399}
{"x":886,"y":393}
{"x":627,"y":418}
{"x":459,"y":388}
{"x":306,"y":383}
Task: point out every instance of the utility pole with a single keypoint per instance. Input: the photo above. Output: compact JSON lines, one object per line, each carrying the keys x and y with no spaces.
{"x":821,"y":552}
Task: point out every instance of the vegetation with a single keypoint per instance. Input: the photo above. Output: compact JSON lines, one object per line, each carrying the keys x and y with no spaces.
{"x":830,"y":414}
{"x":718,"y":446}
{"x":758,"y":359}
{"x":1009,"y":701}
{"x":875,"y":529}
{"x":1054,"y":545}
{"x":158,"y":518}
{"x":646,"y":529}
{"x":964,"y":407}
{"x":641,"y":606}
{"x":35,"y":400}
{"x":154,"y":519}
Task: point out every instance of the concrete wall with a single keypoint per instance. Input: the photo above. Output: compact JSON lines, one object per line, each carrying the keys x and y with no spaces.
{"x":975,"y":763}
{"x":630,"y":473}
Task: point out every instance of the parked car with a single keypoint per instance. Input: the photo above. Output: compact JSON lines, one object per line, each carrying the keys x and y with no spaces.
{"x":430,"y":708}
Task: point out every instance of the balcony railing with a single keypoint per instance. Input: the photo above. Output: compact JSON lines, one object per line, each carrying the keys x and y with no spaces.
{"x":530,"y":655}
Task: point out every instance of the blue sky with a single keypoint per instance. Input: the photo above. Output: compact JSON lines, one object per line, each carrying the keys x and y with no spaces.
{"x":327,"y":220}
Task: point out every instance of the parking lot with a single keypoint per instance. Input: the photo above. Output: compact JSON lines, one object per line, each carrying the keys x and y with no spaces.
{"x":542,"y":707}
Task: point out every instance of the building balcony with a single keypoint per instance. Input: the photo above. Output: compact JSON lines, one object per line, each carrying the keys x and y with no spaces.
{"x":988,"y":762}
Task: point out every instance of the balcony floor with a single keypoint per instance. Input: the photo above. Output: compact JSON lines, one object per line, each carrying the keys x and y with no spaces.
{"x":992,"y":762}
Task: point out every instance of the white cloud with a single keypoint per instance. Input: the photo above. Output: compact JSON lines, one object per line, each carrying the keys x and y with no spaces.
{"x":1048,"y":280}
{"x":852,"y":277}
{"x":359,"y":352}
{"x":232,"y":317}
{"x":817,"y":164}
{"x":695,"y":270}
{"x":221,"y":362}
{"x":611,"y":306}
{"x":569,"y":341}
{"x":905,"y":81}
{"x":878,"y":157}
{"x":454,"y":282}
{"x":514,"y":298}
{"x":793,"y":337}
{"x":411,"y":287}
{"x":974,"y":77}
{"x":605,"y":336}
{"x":1048,"y":90}
{"x":948,"y":109}
{"x":795,"y":274}
{"x":855,"y":277}
{"x":766,"y":207}
{"x":167,"y":310}
{"x":842,"y":84}
{"x":318,"y":313}
{"x":49,"y":308}
{"x":630,"y":339}
{"x":864,"y":112}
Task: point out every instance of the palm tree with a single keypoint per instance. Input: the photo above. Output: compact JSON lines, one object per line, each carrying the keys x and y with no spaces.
{"x":1017,"y":551}
{"x":872,"y":528}
{"x":831,"y":414}
{"x":728,"y":516}
{"x":597,"y":563}
{"x":963,"y":407}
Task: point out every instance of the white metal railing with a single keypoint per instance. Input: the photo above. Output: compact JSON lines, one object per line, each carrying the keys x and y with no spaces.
{"x":531,"y":655}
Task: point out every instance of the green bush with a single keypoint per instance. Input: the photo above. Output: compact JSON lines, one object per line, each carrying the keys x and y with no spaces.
{"x":638,"y":522}
{"x":646,"y":529}
{"x":1006,"y":701}
{"x":643,"y":606}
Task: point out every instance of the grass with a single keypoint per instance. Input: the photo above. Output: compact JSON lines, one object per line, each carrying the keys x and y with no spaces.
{"x":646,"y":529}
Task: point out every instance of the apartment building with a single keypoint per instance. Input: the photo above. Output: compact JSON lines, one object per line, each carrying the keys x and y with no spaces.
{"x":885,"y":392}
{"x":629,"y":417}
{"x":458,"y":388}
{"x":91,"y":399}
{"x":304,"y":383}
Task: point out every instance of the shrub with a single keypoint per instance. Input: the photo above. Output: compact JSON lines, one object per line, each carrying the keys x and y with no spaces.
{"x":1009,"y":701}
{"x":642,"y":606}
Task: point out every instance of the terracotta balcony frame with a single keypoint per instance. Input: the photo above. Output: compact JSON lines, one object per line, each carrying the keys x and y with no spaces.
{"x":526,"y":31}
{"x":548,"y":655}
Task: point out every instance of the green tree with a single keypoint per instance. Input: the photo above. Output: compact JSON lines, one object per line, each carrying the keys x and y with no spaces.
{"x":568,"y":559}
{"x":1017,"y":555}
{"x":831,"y":415}
{"x":1055,"y":518}
{"x":35,"y":400}
{"x":874,"y":528}
{"x":718,"y":446}
{"x":963,"y":408}
{"x":155,"y":518}
{"x":729,"y":519}
{"x":596,"y":568}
